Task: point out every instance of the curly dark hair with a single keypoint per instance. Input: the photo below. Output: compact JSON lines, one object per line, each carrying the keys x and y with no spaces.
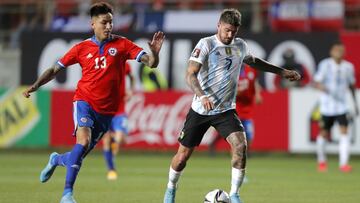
{"x":231,"y":16}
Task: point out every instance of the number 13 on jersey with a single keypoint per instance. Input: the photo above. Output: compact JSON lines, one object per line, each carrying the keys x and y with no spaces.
{"x":100,"y":62}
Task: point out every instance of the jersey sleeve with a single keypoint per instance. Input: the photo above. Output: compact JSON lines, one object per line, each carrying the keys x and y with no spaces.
{"x":200,"y":52}
{"x":134,"y":51}
{"x":246,"y":50}
{"x":320,"y":73}
{"x":70,"y":58}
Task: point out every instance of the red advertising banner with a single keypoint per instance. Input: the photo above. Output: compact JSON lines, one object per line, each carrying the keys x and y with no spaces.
{"x":156,"y":119}
{"x":351,"y":41}
{"x":62,"y":124}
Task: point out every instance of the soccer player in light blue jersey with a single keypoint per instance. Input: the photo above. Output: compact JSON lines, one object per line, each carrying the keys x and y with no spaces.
{"x":333,"y":78}
{"x":212,"y":74}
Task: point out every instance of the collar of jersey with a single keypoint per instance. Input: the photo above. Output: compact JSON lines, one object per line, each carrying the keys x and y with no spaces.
{"x":93,"y":38}
{"x":101,"y":44}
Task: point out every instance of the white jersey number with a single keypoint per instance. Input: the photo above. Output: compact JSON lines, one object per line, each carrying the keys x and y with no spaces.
{"x":102,"y":61}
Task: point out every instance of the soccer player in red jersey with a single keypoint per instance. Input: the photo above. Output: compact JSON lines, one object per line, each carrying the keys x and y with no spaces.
{"x":96,"y":101}
{"x":118,"y":128}
{"x":248,"y":94}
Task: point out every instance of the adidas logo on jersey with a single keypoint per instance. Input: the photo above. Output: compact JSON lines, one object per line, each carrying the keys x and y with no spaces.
{"x":89,"y":56}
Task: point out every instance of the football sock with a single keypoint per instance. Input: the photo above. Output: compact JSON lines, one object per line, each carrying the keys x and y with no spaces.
{"x":237,"y":178}
{"x":109,"y":159}
{"x":320,"y":149}
{"x":173,"y":178}
{"x":344,"y":146}
{"x":73,"y":166}
{"x":61,"y":159}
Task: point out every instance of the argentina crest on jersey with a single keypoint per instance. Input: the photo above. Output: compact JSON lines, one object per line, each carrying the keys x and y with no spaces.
{"x":112,"y":51}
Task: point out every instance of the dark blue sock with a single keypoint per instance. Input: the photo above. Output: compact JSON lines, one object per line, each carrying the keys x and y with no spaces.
{"x":73,"y":166}
{"x":61,"y":159}
{"x":109,"y":159}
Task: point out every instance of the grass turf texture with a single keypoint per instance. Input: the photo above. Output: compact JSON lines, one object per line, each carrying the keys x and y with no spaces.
{"x":275,"y":178}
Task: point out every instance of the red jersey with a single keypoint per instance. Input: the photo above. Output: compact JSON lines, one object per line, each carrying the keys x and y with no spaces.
{"x":245,"y":99}
{"x":103,"y":71}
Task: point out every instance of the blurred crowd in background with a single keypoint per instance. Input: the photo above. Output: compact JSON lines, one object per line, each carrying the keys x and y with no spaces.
{"x":171,"y":16}
{"x":149,"y":15}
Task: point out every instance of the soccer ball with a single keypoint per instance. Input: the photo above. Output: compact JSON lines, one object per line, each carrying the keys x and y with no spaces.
{"x":217,"y":196}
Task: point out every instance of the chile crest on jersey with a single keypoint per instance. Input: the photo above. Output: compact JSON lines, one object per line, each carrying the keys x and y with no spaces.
{"x":112,"y":51}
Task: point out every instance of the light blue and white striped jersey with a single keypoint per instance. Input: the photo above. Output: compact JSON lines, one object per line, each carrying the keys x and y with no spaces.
{"x":219,"y":73}
{"x":336,"y":78}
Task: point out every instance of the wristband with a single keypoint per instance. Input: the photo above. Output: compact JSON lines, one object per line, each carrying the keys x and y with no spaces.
{"x":202,"y":97}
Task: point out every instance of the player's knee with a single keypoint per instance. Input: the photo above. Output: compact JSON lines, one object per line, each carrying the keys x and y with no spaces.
{"x":240,"y":149}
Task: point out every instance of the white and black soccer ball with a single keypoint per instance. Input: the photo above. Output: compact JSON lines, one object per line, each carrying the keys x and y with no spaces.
{"x":217,"y":196}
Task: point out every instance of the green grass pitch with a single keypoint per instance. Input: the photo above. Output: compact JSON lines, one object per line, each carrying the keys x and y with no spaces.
{"x":276,"y":178}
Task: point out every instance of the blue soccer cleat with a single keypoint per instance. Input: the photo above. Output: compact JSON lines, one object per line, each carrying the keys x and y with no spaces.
{"x":49,"y":169}
{"x":235,"y":198}
{"x":68,"y":198}
{"x":169,"y":195}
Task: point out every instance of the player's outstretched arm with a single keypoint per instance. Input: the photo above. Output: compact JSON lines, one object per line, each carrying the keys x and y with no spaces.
{"x":152,"y":60}
{"x":268,"y":67}
{"x":48,"y":75}
{"x":191,"y":79}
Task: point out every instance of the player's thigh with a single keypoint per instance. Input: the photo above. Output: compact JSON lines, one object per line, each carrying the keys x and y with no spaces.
{"x":101,"y":126}
{"x":326,"y":122}
{"x":227,"y":123}
{"x":343,"y":122}
{"x":195,"y":127}
{"x":83,"y":115}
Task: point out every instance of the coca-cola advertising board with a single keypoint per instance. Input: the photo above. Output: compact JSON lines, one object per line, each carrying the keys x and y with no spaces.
{"x":156,"y":119}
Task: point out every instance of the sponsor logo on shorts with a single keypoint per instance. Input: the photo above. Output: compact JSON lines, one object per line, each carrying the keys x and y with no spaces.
{"x":182,"y":135}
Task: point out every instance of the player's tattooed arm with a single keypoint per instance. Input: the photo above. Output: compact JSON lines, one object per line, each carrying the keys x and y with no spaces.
{"x":263,"y":65}
{"x":155,"y":45}
{"x":44,"y":78}
{"x":191,"y":79}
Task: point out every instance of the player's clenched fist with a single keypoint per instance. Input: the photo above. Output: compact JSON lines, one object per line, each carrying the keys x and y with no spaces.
{"x":207,"y":104}
{"x":27,"y":92}
{"x":291,"y":75}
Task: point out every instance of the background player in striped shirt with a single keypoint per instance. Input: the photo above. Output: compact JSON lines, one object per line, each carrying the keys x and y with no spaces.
{"x":333,"y":78}
{"x":96,"y":100}
{"x":116,"y":136}
{"x":212,"y":74}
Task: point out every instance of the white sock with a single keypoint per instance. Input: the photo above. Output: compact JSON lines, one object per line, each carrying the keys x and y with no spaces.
{"x":173,"y":178}
{"x":237,"y":178}
{"x":320,"y":149}
{"x":344,"y":149}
